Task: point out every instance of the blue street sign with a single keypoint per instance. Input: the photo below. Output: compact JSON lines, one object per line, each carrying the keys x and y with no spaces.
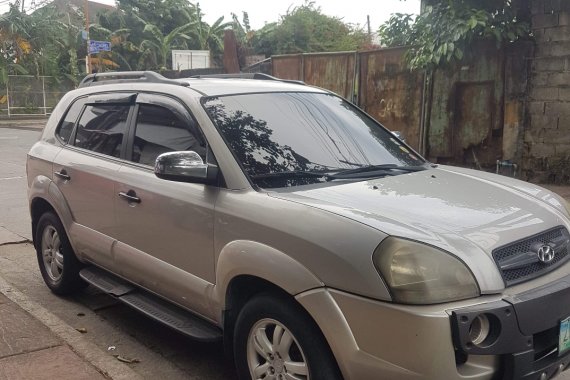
{"x":98,"y":46}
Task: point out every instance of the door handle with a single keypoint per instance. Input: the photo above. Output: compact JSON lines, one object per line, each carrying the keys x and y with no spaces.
{"x":62,"y":174}
{"x":130,"y":196}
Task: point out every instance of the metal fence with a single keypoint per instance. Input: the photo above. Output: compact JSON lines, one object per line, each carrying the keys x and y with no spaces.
{"x":28,"y":95}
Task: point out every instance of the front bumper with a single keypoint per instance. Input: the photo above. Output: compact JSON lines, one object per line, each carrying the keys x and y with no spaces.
{"x":373,"y":339}
{"x":527,"y":335}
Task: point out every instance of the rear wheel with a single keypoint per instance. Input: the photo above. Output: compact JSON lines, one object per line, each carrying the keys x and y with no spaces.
{"x":276,"y":340}
{"x":57,"y":261}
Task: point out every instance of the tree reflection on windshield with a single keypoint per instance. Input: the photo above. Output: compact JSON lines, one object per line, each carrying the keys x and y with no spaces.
{"x":302,"y":132}
{"x":250,"y":138}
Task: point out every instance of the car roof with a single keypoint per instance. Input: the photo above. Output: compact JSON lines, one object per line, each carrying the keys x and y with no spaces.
{"x":227,"y":86}
{"x":205,"y":85}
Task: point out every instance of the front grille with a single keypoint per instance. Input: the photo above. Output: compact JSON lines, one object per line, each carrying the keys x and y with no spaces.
{"x":523,"y":249}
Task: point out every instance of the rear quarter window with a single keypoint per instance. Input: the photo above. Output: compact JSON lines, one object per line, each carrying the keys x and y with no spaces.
{"x":63,"y":132}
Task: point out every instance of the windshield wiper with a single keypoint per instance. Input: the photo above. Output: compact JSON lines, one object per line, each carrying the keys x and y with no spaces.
{"x":373,"y":170}
{"x":291,"y":174}
{"x":362,"y":172}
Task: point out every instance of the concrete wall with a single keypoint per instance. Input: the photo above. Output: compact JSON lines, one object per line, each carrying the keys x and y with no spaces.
{"x":546,"y":141}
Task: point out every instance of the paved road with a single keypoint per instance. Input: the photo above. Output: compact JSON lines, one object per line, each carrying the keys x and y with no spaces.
{"x":113,"y":327}
{"x":14,"y":145}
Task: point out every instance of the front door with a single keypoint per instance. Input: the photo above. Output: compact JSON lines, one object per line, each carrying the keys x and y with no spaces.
{"x":165,"y":228}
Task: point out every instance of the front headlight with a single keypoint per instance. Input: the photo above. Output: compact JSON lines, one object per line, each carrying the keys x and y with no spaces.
{"x":420,"y":274}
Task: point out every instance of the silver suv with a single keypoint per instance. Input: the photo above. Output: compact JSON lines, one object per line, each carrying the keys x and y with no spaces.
{"x":287,"y":222}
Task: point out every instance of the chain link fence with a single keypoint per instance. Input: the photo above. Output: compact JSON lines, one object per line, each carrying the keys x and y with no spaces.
{"x":28,"y":95}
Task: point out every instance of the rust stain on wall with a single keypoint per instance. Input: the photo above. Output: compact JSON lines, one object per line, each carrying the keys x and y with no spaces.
{"x":473,"y":111}
{"x":335,"y":72}
{"x":390,"y":93}
{"x":466,"y":108}
{"x":287,"y":66}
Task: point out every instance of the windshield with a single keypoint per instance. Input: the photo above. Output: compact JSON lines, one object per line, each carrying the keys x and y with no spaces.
{"x":273,"y":133}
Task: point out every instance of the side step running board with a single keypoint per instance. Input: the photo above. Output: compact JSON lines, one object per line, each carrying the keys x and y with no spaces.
{"x":171,"y":315}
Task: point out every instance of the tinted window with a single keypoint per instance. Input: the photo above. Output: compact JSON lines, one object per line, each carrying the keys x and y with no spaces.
{"x":101,"y":128}
{"x":282,"y":132}
{"x":159,"y":130}
{"x":68,"y":122}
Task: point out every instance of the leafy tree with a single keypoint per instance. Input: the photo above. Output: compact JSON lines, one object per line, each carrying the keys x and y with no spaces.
{"x":307,"y":29}
{"x":446,"y":29}
{"x":14,"y":42}
{"x":398,"y":30}
{"x":166,"y":15}
{"x":142,"y":38}
{"x":28,"y":43}
{"x":125,"y":31}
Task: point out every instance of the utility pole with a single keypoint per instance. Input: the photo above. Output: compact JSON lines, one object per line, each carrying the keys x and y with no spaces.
{"x":88,"y":57}
{"x":369,"y":29}
{"x":23,"y":6}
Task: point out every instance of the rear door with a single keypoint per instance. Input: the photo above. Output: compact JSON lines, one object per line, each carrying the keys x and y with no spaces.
{"x":85,"y":172}
{"x":165,"y":228}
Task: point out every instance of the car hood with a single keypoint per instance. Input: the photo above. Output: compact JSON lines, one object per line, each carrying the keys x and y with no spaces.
{"x":464,"y":212}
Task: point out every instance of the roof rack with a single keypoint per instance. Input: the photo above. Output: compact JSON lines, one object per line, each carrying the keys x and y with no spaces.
{"x":259,"y":76}
{"x":127,"y":77}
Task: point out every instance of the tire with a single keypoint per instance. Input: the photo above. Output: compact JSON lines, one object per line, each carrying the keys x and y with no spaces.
{"x":275,"y":339}
{"x":57,"y":261}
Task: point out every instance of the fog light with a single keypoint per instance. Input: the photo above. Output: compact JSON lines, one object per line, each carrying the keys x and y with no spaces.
{"x":479,"y":330}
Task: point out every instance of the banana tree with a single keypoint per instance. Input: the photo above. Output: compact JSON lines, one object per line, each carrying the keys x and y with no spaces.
{"x":157,"y":46}
{"x":209,"y":37}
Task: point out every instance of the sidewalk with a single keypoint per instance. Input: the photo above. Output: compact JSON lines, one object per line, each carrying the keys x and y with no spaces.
{"x":37,"y":345}
{"x":29,"y":350}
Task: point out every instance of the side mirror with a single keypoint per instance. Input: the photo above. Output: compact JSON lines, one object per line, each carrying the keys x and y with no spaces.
{"x":184,"y":166}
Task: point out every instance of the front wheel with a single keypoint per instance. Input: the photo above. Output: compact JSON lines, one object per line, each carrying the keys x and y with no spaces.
{"x":276,"y":340}
{"x":57,"y":261}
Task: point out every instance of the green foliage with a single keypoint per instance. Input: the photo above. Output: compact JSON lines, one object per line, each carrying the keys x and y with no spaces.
{"x":36,"y":44}
{"x":444,"y":32}
{"x":143,"y":33}
{"x":398,"y":30}
{"x":209,"y":37}
{"x":165,"y":14}
{"x":306,"y":29}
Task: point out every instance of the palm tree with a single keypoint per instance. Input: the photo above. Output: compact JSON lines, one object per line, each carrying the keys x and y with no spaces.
{"x":157,"y":46}
{"x":209,"y":37}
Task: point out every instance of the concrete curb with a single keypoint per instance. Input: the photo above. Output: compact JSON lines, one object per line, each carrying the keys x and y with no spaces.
{"x":27,"y":124}
{"x":104,"y":363}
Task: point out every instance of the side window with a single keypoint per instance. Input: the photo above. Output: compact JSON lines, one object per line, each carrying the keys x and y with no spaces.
{"x":66,"y":127}
{"x":101,"y":128}
{"x":160,"y":130}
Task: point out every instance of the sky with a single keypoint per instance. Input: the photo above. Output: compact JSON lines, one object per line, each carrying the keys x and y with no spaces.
{"x":352,"y":11}
{"x":265,"y":11}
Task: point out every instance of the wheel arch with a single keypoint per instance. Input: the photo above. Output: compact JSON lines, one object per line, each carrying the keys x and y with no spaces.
{"x":250,"y":258}
{"x":45,"y":196}
{"x":246,"y":269}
